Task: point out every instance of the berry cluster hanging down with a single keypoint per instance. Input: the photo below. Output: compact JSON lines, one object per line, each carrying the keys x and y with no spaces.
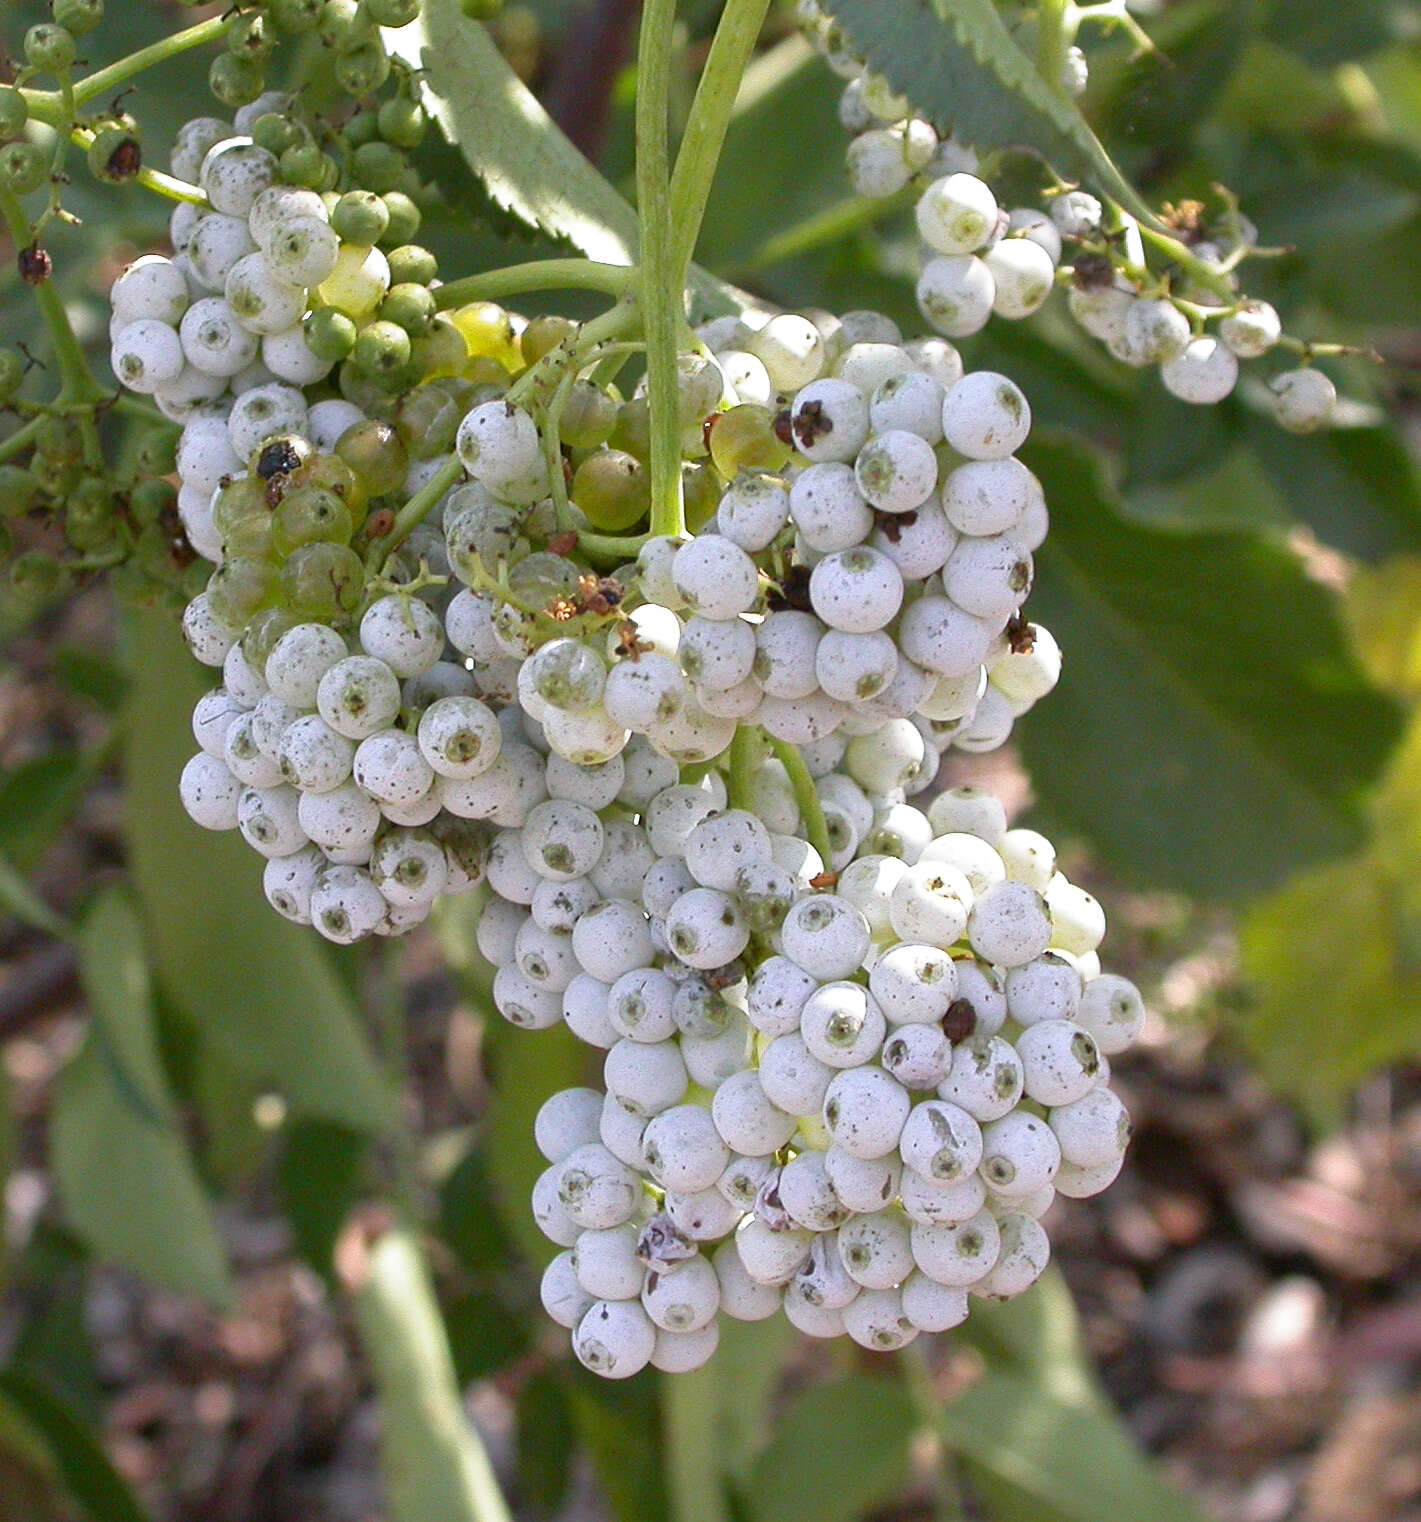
{"x":982,"y":260}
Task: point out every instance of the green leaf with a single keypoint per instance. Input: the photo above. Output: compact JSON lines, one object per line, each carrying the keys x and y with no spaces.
{"x":1037,"y":1335}
{"x":120,"y":1160}
{"x":1211,"y":731}
{"x":1337,"y":991}
{"x":1050,"y":1459}
{"x":1326,"y":33}
{"x":35,"y":801}
{"x":837,"y":1450}
{"x":546,"y":1443}
{"x":484,"y":1336}
{"x":82,"y":1465}
{"x":520,"y":155}
{"x":92,"y":676}
{"x":19,"y":898}
{"x":620,"y":1423}
{"x":261,"y":990}
{"x":474,"y":1232}
{"x":1356,"y":488}
{"x":525,"y":1068}
{"x":716,"y":1417}
{"x":957,"y":62}
{"x":318,"y":1180}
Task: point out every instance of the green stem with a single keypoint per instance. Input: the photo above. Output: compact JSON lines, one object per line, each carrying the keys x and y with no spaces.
{"x":539,"y":275}
{"x":436,"y":1467}
{"x":811,"y":811}
{"x":165,"y":185}
{"x":1200,"y":271}
{"x":696,"y":160}
{"x":48,"y":106}
{"x":21,"y":439}
{"x":927,"y":1404}
{"x":662,"y":279}
{"x":744,"y":758}
{"x":76,"y":382}
{"x":611,"y":546}
{"x":690,"y":1423}
{"x":1055,"y":32}
{"x":415,"y":511}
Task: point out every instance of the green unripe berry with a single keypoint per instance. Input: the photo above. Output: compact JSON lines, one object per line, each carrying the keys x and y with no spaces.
{"x":234,"y":80}
{"x":330,"y":334}
{"x":360,"y":217}
{"x":428,"y":419}
{"x":323,"y":581}
{"x":404,"y":220}
{"x":363,"y":127}
{"x":12,"y":371}
{"x":250,"y":539}
{"x":277,"y":133}
{"x":588,"y":416}
{"x":374,"y":452}
{"x":14,"y":113}
{"x":361,"y":70}
{"x":409,"y":306}
{"x":115,"y":155}
{"x":263,"y":632}
{"x":19,"y":491}
{"x":240,"y":587}
{"x":35,"y":575}
{"x":296,"y":17}
{"x":700,"y":490}
{"x":543,"y":335}
{"x":59,"y":440}
{"x":149,"y":500}
{"x":236,"y":501}
{"x":305,"y":164}
{"x":310,"y":515}
{"x":402,"y":122}
{"x":77,"y":16}
{"x":633,"y":430}
{"x":158,"y":452}
{"x":412,"y":265}
{"x":49,"y":48}
{"x":91,"y":521}
{"x":392,"y":12}
{"x":378,"y":167}
{"x":440,"y":349}
{"x":344,"y":24}
{"x":252,"y":36}
{"x":745,"y":439}
{"x":481,"y":10}
{"x":381,"y":348}
{"x":612,"y":488}
{"x":24,"y":167}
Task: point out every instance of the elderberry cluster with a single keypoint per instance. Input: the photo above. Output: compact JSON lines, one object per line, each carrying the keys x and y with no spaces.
{"x":982,"y":260}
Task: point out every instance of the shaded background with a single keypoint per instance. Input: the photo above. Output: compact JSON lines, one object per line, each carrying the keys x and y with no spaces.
{"x":1229,"y":763}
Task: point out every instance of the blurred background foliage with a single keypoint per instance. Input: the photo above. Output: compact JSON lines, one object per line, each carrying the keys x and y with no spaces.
{"x":1236,"y":730}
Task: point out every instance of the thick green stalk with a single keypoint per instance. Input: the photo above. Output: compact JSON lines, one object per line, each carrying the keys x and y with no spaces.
{"x":811,"y":811}
{"x":1055,"y":32}
{"x":744,"y":758}
{"x":436,"y":1469}
{"x":662,"y":280}
{"x":416,"y":510}
{"x":48,"y":105}
{"x":539,"y":275}
{"x":76,"y":382}
{"x":690,"y":1423}
{"x":696,"y":160}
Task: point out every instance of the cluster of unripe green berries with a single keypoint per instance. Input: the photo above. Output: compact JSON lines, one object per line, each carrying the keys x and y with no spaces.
{"x":853,"y":1103}
{"x":981,"y":259}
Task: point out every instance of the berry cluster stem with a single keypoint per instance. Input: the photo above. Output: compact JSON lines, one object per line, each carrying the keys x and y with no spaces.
{"x":416,"y":510}
{"x":538,"y":275}
{"x":699,"y":153}
{"x":49,"y":106}
{"x":1055,"y":32}
{"x":661,"y":280}
{"x":811,"y":811}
